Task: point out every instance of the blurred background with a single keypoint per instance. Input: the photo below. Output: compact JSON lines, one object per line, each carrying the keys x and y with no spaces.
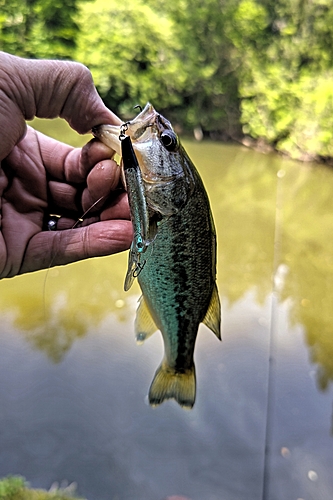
{"x":224,"y":68}
{"x":73,"y":383}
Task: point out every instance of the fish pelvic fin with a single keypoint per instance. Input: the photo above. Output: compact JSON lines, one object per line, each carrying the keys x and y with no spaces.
{"x":144,"y":323}
{"x":213,"y":315}
{"x":168,"y":384}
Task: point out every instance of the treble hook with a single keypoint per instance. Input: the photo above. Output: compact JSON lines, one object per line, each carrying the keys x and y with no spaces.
{"x":138,"y":106}
{"x":138,"y":269}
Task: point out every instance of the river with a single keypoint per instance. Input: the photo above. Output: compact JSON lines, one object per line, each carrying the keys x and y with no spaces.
{"x":73,"y":382}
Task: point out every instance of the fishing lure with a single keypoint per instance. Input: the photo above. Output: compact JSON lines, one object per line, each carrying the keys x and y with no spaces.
{"x":138,"y":208}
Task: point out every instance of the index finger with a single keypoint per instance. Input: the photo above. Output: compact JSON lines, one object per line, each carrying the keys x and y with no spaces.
{"x":69,"y":164}
{"x":46,"y":89}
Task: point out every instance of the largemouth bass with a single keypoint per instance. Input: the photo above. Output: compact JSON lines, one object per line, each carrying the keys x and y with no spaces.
{"x":173,"y":254}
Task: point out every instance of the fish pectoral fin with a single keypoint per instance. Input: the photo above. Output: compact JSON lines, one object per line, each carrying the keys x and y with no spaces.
{"x":153,"y":219}
{"x":132,"y":262}
{"x":144,"y":323}
{"x":213,"y":315}
{"x":134,"y":266}
{"x":168,"y":384}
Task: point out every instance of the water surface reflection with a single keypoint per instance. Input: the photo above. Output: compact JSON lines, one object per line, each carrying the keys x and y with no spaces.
{"x":74,"y":383}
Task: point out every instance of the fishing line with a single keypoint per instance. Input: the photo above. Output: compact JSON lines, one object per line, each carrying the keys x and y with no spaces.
{"x":271,"y":379}
{"x":80,"y":219}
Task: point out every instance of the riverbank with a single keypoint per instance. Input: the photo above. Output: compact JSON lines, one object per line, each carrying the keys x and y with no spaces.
{"x":264,"y":147}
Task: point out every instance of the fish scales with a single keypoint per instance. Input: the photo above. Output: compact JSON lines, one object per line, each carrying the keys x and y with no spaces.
{"x":176,"y":260}
{"x":175,"y":281}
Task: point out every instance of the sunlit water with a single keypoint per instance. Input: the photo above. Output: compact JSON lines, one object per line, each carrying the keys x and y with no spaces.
{"x":73,"y":382}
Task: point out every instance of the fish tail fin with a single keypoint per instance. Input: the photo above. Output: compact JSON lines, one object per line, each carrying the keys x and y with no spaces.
{"x":169,"y":383}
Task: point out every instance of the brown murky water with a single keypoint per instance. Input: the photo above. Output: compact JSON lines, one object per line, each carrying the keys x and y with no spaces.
{"x":73,"y":382}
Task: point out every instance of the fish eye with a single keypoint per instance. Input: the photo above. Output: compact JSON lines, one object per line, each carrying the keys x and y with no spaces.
{"x":169,"y":140}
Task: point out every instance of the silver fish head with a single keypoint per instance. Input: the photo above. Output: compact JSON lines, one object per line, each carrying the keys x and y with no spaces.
{"x":137,"y":129}
{"x":163,"y":162}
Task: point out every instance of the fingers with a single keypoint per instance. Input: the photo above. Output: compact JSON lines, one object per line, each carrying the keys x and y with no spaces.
{"x":65,"y":163}
{"x":47,"y":249}
{"x":117,"y":208}
{"x":46,"y":89}
{"x":102,"y":181}
{"x":103,"y":177}
{"x":101,"y":184}
{"x":12,"y":124}
{"x":39,"y":166}
{"x":70,"y":170}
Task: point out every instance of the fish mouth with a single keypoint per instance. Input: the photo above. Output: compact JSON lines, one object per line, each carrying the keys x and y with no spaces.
{"x":144,"y":130}
{"x":148,"y":118}
{"x":109,"y":135}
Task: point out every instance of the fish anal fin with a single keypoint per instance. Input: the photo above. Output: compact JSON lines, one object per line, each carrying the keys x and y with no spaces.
{"x":213,"y":315}
{"x":144,"y":323}
{"x":169,"y":383}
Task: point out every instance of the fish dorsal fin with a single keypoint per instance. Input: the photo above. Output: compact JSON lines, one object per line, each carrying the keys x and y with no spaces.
{"x":144,"y":323}
{"x":213,"y":315}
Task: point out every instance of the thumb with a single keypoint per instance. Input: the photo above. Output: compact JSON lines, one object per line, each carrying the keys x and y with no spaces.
{"x":47,"y":248}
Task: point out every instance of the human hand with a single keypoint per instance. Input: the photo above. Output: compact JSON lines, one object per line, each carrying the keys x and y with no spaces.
{"x":40,"y":176}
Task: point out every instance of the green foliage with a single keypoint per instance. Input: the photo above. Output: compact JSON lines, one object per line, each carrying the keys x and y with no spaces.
{"x":11,"y":488}
{"x":285,"y":73}
{"x":311,"y":130}
{"x":15,"y":488}
{"x":38,"y":28}
{"x":210,"y":96}
{"x":132,"y":53}
{"x":258,"y":67}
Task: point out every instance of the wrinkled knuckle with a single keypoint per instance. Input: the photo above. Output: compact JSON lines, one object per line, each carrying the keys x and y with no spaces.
{"x":86,"y":246}
{"x":57,"y":244}
{"x":83,"y":73}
